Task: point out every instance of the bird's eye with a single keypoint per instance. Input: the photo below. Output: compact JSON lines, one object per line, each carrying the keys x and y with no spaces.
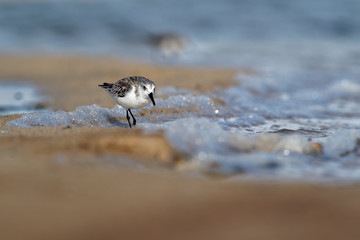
{"x":144,"y":88}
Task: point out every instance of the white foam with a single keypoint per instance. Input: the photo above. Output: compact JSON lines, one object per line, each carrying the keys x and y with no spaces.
{"x":90,"y":116}
{"x":255,"y":131}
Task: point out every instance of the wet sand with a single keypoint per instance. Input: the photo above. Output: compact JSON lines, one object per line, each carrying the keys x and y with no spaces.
{"x":96,"y":183}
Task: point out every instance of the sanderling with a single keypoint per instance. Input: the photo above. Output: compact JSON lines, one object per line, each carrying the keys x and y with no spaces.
{"x":130,"y":93}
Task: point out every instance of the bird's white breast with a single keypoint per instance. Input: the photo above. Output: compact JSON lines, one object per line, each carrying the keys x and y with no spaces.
{"x":131,"y":100}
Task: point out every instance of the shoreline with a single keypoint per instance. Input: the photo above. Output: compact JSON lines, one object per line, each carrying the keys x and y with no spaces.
{"x":83,"y":74}
{"x":72,"y":183}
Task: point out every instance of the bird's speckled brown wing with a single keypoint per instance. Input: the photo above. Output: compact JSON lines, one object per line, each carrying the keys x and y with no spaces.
{"x":121,"y":87}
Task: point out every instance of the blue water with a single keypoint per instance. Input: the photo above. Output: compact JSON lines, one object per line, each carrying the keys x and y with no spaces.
{"x":321,"y":35}
{"x":306,"y":92}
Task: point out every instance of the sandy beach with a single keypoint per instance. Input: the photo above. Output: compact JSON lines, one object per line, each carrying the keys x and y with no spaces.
{"x":95,"y":183}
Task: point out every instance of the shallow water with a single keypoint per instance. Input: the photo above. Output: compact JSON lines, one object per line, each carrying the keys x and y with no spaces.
{"x":270,"y":127}
{"x":298,"y":118}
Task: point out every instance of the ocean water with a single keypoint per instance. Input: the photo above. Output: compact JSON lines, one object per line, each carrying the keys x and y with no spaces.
{"x":317,"y":35}
{"x":298,"y":118}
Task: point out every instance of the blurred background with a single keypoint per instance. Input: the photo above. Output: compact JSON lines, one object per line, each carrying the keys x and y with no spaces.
{"x":321,"y":35}
{"x":286,"y":107}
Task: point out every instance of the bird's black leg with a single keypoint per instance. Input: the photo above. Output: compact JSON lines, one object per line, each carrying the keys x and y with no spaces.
{"x":128,"y":117}
{"x":134,"y":120}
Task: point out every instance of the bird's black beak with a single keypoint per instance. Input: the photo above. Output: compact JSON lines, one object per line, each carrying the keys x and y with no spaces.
{"x":152,"y":98}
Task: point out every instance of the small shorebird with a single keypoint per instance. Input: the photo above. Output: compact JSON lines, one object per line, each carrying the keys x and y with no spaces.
{"x":131,"y":93}
{"x":169,"y":44}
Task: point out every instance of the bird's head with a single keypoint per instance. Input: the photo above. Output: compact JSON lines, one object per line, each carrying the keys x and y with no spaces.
{"x":148,"y":89}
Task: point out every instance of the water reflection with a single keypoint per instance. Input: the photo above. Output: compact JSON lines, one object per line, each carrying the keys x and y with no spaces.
{"x":19,"y":98}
